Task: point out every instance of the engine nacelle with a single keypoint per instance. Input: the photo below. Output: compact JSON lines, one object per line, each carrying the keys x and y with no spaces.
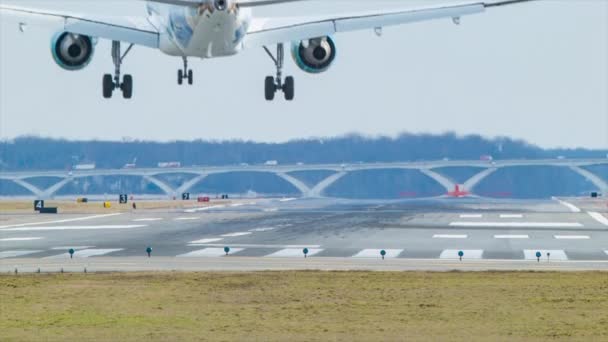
{"x":314,"y":55}
{"x":72,"y":51}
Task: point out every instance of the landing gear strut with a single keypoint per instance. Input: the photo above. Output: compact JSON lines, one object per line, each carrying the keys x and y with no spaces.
{"x":111,"y":83}
{"x":274,"y":84}
{"x":185,"y":74}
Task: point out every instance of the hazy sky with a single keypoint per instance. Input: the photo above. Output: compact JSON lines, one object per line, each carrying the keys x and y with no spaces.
{"x":536,"y":71}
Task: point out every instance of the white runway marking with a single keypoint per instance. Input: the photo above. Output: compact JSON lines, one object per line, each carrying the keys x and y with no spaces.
{"x":572,"y":237}
{"x":209,"y":253}
{"x":263,"y":229}
{"x":85,"y":253}
{"x":204,"y":208}
{"x":269,"y":210}
{"x":294,"y":253}
{"x":60,"y":221}
{"x":450,"y":236}
{"x":186,"y":219}
{"x":505,"y":216}
{"x":73,"y":247}
{"x":468,"y":254}
{"x":151,"y":219}
{"x":518,"y":224}
{"x":12,"y":254}
{"x":556,"y":254}
{"x":511,"y":236}
{"x":235,"y":234}
{"x":570,"y":206}
{"x":470,"y":216}
{"x":599,"y":218}
{"x":287,"y":199}
{"x":206,"y":241}
{"x":237,"y":205}
{"x":21,"y":239}
{"x":375,"y":253}
{"x":240,"y":245}
{"x":126,"y":226}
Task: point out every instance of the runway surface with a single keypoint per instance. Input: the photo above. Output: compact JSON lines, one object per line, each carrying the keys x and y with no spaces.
{"x":569,"y":234}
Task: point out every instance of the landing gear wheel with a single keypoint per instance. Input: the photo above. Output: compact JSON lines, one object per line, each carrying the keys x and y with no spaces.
{"x":180,"y":77}
{"x":190,"y":77}
{"x":108,"y":86}
{"x":289,"y":88}
{"x":127,"y":86}
{"x":270,"y":88}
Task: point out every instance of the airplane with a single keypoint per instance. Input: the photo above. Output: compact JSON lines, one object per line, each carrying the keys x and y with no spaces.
{"x":219,"y":28}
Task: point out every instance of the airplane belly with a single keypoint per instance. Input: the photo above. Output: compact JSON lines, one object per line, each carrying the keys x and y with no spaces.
{"x":214,"y":37}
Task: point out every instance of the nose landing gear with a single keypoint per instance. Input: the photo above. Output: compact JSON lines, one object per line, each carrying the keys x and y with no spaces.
{"x":273,"y":84}
{"x":111,"y":83}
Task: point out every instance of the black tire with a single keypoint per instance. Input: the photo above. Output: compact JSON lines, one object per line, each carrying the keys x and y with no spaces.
{"x":289,"y":88}
{"x":190,"y":77}
{"x":270,"y":88}
{"x":127,"y":87}
{"x":180,"y":77}
{"x":108,"y":86}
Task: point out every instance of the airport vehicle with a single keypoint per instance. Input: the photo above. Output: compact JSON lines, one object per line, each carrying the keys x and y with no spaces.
{"x":218,"y":28}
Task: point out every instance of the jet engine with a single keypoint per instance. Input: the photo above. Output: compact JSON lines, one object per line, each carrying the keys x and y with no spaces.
{"x":72,"y":51}
{"x":314,"y":55}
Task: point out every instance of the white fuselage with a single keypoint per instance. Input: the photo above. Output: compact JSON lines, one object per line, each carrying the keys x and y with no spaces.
{"x":199,"y":32}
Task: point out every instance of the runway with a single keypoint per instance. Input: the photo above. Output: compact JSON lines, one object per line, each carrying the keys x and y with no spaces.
{"x":337,"y":234}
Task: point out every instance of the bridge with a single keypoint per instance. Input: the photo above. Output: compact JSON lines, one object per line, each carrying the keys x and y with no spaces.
{"x":428,"y":168}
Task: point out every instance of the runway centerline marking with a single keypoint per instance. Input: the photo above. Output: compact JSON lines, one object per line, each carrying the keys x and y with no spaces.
{"x":263,"y":229}
{"x":23,"y":229}
{"x":518,"y":224}
{"x":470,"y":216}
{"x":555,"y":254}
{"x":570,"y":206}
{"x":209,"y":253}
{"x":21,"y":239}
{"x":293,"y":253}
{"x":450,"y":236}
{"x":467,"y":254}
{"x":375,"y":253}
{"x":85,"y":253}
{"x":60,"y":221}
{"x":572,"y":237}
{"x":236,"y":234}
{"x":186,"y":218}
{"x":507,"y":236}
{"x":194,"y":210}
{"x":599,"y":217}
{"x":287,"y":199}
{"x":506,"y":216}
{"x":150,"y":219}
{"x":202,"y":241}
{"x":12,"y":254}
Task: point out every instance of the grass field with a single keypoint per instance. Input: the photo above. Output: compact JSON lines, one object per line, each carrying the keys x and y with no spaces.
{"x":304,"y":306}
{"x":71,"y":207}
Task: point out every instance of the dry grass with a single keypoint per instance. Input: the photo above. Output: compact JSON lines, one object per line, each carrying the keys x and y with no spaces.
{"x":71,"y":207}
{"x":305,"y":306}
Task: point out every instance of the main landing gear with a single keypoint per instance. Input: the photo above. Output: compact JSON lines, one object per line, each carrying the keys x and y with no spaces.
{"x":112,"y":83}
{"x":273,"y":84}
{"x":185,"y":74}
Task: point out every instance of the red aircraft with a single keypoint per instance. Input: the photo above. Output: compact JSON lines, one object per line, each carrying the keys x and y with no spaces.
{"x":458,"y":193}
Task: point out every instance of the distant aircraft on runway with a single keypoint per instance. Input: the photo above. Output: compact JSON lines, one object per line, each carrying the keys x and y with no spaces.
{"x":217,"y":28}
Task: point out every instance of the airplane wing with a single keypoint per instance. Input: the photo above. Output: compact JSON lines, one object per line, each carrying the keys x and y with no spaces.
{"x":279,"y":30}
{"x":135,"y":30}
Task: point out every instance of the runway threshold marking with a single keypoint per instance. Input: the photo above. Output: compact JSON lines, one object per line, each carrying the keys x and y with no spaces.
{"x":12,"y":254}
{"x":209,"y":253}
{"x":468,"y":254}
{"x":507,"y":236}
{"x":599,"y":218}
{"x":570,"y":206}
{"x":21,"y":239}
{"x":511,"y":216}
{"x":470,"y":216}
{"x":125,"y":226}
{"x":60,"y":221}
{"x":375,"y":253}
{"x":450,"y":236}
{"x":572,"y":237}
{"x":294,"y":253}
{"x":518,"y":224}
{"x":206,"y":241}
{"x":555,"y":254}
{"x":85,"y":253}
{"x":236,"y":234}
